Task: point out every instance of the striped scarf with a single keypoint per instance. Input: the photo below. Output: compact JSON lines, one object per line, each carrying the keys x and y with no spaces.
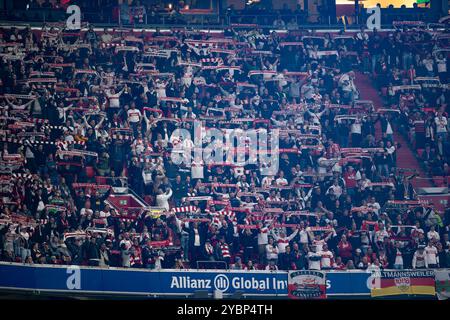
{"x":184,"y":209}
{"x":209,"y":248}
{"x":225,"y":249}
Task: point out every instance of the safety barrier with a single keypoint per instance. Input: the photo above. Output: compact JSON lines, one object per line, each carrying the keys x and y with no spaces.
{"x":107,"y":16}
{"x":73,"y":280}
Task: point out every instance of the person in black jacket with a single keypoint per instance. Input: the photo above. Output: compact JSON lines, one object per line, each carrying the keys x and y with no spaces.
{"x":76,"y":251}
{"x":286,"y":259}
{"x":298,"y":258}
{"x":197,"y":236}
{"x":248,"y":242}
{"x":92,"y":252}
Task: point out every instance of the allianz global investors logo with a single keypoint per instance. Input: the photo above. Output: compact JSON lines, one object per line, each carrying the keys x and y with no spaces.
{"x":238,"y":147}
{"x":223,"y":283}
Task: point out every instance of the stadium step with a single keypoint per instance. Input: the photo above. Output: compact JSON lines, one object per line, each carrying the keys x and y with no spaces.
{"x":405,"y":156}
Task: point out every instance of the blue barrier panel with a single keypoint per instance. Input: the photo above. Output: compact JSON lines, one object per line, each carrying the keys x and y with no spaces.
{"x":347,"y":283}
{"x":140,"y":282}
{"x":135,"y":282}
{"x":12,"y":275}
{"x":122,"y":281}
{"x":252,"y":283}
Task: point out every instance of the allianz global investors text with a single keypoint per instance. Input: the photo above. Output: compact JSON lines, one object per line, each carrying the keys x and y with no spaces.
{"x":221,"y":283}
{"x":226,"y":309}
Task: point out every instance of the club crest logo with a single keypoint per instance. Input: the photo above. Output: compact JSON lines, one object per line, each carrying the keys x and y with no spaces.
{"x":403,"y":283}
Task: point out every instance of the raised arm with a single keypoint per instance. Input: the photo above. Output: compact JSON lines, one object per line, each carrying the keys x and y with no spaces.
{"x":292,"y":236}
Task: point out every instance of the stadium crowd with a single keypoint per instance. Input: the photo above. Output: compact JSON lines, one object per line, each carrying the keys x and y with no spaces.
{"x":86,"y":115}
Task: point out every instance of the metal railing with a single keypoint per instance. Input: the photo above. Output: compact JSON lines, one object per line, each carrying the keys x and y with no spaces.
{"x":211,"y":265}
{"x":106,"y":17}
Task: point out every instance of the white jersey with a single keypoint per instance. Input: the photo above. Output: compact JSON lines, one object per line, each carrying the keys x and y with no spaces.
{"x":303,"y":236}
{"x":263,"y":236}
{"x":327,"y":258}
{"x":319,"y":244}
{"x":431,"y":255}
{"x":314,"y":264}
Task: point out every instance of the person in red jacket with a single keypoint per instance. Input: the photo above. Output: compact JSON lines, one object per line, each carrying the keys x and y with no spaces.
{"x":345,"y":249}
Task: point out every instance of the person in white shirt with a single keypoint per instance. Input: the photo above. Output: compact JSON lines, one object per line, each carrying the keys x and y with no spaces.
{"x":267,"y":181}
{"x":398,"y":262}
{"x":347,"y":85}
{"x":281,"y":180}
{"x":162,"y":199}
{"x":134,"y":118}
{"x":114,"y":98}
{"x":106,"y":37}
{"x":433,"y":235}
{"x":374,"y":205}
{"x":327,"y":258}
{"x":318,"y":242}
{"x":428,"y":62}
{"x":374,"y":267}
{"x":441,"y":126}
{"x":197,"y":171}
{"x":337,"y":189}
{"x":271,"y":251}
{"x":303,"y":234}
{"x":431,"y":256}
{"x":283,"y":241}
{"x":263,"y":240}
{"x":314,"y":258}
{"x":419,"y":259}
{"x":147,"y":177}
{"x":307,"y":90}
{"x":355,"y":130}
{"x":134,"y":115}
{"x":161,"y":88}
{"x":381,"y":234}
{"x":441,"y":62}
{"x":87,"y":209}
